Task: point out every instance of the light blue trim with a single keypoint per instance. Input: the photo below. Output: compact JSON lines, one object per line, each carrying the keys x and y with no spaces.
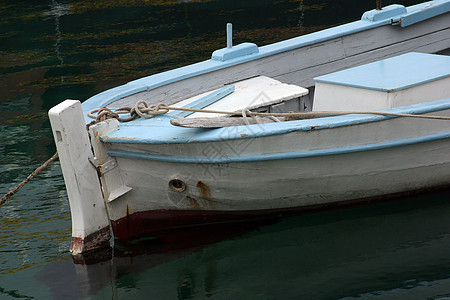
{"x":112,"y":95}
{"x":427,"y":10}
{"x":240,"y":50}
{"x":229,"y":35}
{"x":207,"y":100}
{"x":393,"y":74}
{"x":161,"y":79}
{"x":387,"y":12}
{"x":278,"y":156}
{"x":159,"y":131}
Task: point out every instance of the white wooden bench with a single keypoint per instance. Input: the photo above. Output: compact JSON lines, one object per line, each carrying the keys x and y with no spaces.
{"x":249,"y":94}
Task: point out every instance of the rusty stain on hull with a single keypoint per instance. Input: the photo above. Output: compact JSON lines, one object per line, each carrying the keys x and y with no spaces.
{"x":204,"y":190}
{"x":194,"y":203}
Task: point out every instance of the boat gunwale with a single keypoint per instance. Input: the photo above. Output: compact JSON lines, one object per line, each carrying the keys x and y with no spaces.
{"x":165,"y":133}
{"x":279,"y":155}
{"x":161,"y":79}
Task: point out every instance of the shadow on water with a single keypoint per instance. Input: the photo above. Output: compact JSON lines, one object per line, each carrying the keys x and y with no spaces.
{"x":388,"y":249}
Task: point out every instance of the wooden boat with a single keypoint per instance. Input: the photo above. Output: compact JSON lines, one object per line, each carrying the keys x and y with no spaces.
{"x":357,"y":89}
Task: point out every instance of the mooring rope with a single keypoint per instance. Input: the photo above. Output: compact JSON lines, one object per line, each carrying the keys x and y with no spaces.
{"x":31,"y":176}
{"x":149,"y":111}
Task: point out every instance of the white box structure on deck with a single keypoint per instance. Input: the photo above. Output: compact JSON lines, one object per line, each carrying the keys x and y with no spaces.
{"x":403,"y":80}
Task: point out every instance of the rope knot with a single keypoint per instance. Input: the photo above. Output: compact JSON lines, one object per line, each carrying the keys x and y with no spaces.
{"x":105,"y":113}
{"x":148,"y":112}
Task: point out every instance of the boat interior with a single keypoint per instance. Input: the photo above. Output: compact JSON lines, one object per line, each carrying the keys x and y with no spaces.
{"x":263,"y":94}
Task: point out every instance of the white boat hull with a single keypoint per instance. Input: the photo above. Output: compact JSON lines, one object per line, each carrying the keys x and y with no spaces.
{"x":269,"y":175}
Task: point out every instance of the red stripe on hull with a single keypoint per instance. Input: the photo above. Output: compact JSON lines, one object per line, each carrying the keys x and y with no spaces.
{"x":160,"y":223}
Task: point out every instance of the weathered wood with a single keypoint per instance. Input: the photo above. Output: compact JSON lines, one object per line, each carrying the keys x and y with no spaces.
{"x":250,"y":94}
{"x":219,"y":122}
{"x":207,"y":100}
{"x":110,"y":177}
{"x":90,"y":223}
{"x":431,"y":43}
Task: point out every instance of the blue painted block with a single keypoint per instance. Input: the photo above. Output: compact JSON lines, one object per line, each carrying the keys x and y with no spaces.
{"x":240,"y":50}
{"x":428,"y":11}
{"x":393,"y":74}
{"x":207,"y":100}
{"x":386,"y":13}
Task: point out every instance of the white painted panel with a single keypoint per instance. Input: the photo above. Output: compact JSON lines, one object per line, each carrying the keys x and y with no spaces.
{"x":251,"y":93}
{"x":434,"y":90}
{"x":332,"y":97}
{"x":80,"y":176}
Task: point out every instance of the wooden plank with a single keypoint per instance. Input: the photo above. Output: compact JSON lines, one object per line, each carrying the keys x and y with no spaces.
{"x":253,"y":93}
{"x":427,"y":44}
{"x":112,"y":182}
{"x":90,"y":223}
{"x":207,"y":100}
{"x":219,"y":122}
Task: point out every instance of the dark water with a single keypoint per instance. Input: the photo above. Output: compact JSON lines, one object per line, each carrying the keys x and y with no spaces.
{"x":51,"y":51}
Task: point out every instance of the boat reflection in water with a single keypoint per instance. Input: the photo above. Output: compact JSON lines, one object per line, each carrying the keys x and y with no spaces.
{"x":392,"y":249}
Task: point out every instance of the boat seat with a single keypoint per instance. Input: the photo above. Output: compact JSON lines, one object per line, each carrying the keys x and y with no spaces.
{"x":254,"y":93}
{"x":398,"y":81}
